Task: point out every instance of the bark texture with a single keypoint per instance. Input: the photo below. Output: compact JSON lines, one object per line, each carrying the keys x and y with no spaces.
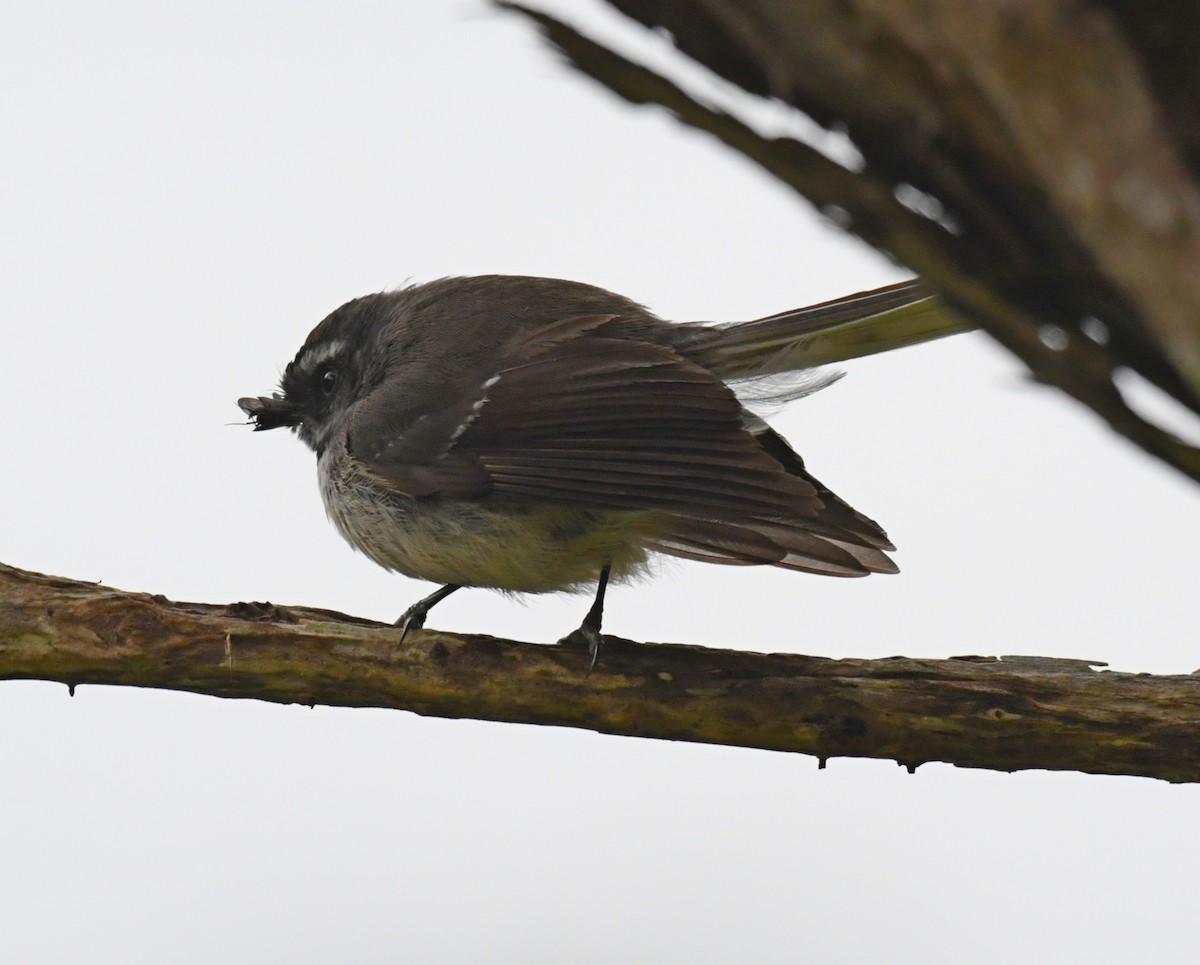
{"x":1007,"y":714}
{"x":1036,"y":161}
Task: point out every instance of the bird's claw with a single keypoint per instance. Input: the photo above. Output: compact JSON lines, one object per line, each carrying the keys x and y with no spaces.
{"x":412,"y":619}
{"x":585,"y":637}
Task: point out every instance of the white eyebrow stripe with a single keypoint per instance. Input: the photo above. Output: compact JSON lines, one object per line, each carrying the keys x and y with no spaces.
{"x":310,"y":361}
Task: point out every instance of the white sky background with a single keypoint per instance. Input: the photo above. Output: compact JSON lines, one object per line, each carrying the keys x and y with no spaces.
{"x":186,"y":193}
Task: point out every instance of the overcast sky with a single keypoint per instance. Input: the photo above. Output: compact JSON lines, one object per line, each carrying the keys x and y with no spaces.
{"x":186,"y":192}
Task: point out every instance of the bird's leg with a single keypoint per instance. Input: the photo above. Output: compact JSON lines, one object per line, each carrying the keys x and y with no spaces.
{"x":588,"y":633}
{"x":414,"y":617}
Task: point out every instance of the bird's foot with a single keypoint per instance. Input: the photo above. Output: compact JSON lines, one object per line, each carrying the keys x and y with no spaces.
{"x":413,"y":618}
{"x":585,"y":638}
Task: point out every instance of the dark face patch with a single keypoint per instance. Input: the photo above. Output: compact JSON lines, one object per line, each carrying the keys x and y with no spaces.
{"x":321,"y":380}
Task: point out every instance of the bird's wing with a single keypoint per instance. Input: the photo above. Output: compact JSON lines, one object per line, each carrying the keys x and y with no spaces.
{"x":578,"y":419}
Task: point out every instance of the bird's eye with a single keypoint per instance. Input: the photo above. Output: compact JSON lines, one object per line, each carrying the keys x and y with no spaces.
{"x":328,"y":379}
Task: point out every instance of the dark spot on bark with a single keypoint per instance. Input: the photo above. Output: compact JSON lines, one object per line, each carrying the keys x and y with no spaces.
{"x":853,"y":726}
{"x":838,"y":726}
{"x":260,"y":612}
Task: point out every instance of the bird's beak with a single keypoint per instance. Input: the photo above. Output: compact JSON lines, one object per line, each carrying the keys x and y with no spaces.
{"x":270,"y":412}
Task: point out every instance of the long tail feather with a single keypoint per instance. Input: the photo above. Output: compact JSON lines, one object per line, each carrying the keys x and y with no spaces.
{"x":833,"y":331}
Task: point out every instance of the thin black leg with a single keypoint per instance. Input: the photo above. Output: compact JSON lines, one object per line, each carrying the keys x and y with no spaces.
{"x":414,"y":617}
{"x":589,"y":631}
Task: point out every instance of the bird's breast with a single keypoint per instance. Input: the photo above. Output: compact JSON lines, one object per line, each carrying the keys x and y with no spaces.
{"x":521,"y":548}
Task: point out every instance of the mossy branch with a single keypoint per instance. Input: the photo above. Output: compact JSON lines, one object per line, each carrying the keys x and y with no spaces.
{"x":1002,"y":714}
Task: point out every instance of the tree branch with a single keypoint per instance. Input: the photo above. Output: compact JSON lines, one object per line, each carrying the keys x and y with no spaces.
{"x":1052,"y":179}
{"x":1002,"y":714}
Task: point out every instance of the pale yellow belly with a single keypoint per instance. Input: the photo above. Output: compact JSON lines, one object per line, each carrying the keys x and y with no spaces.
{"x":530,"y":549}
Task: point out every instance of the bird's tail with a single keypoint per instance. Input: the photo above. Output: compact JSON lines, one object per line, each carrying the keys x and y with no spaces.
{"x":833,"y":331}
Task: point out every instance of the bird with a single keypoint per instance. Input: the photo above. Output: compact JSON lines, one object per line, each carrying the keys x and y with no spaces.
{"x":533,"y":435}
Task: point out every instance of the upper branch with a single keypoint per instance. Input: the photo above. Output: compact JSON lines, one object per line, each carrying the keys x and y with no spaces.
{"x":1034,"y":162}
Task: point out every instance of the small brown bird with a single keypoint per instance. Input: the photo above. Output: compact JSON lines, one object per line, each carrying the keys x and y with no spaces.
{"x":534,"y":434}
